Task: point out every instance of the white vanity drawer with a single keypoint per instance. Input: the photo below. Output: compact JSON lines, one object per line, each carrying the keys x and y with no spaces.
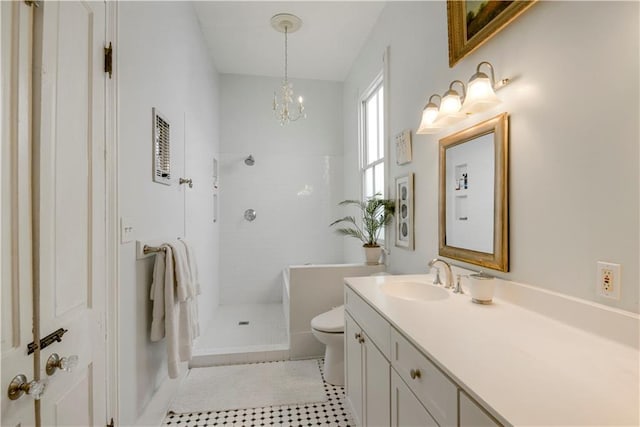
{"x":434,"y":390}
{"x":377,"y":328}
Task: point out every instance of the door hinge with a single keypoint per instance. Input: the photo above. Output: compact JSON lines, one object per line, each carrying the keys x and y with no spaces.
{"x":111,"y":424}
{"x":108,"y":59}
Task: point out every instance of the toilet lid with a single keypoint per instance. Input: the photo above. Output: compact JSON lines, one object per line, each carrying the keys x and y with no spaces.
{"x":331,"y":321}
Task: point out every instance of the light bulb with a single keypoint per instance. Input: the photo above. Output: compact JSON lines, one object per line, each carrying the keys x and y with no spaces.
{"x":480,"y":94}
{"x":300,"y":100}
{"x":430,"y":114}
{"x":450,"y":103}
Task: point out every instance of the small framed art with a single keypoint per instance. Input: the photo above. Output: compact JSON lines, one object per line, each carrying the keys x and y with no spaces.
{"x":403,"y":147}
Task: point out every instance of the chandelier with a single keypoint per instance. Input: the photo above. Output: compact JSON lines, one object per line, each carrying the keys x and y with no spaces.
{"x":282,"y":107}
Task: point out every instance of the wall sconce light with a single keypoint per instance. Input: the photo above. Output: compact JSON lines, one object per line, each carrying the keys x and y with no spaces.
{"x":478,"y":96}
{"x":452,"y":103}
{"x":481,"y":93}
{"x":429,"y":117}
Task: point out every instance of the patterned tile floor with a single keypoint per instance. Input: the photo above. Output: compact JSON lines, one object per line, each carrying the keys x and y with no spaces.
{"x":332,"y":413}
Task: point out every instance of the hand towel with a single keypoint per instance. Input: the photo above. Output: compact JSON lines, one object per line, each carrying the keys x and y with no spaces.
{"x":157,"y":296}
{"x":193,"y":266}
{"x":184,"y":282}
{"x":174,"y":312}
{"x":193,"y":306}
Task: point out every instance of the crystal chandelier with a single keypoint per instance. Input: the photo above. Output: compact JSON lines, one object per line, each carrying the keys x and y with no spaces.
{"x":286,"y":23}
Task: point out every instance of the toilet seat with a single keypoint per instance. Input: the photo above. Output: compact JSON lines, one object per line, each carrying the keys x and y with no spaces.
{"x":330,"y":322}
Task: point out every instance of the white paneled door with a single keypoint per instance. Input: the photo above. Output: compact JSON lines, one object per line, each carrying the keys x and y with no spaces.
{"x":15,"y":72}
{"x":70,"y":207}
{"x":68,"y":215}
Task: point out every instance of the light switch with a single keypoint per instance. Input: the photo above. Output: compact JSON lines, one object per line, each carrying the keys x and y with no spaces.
{"x":126,"y":230}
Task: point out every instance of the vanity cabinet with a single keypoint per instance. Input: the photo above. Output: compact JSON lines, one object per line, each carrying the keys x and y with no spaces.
{"x":472,"y":414}
{"x":406,"y":409}
{"x":390,"y":382}
{"x":368,"y":380}
{"x":432,"y":388}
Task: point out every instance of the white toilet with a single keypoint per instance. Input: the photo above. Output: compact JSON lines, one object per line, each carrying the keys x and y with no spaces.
{"x":328,"y":328}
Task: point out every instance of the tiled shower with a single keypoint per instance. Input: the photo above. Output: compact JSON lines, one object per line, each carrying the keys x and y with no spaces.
{"x":293,"y":186}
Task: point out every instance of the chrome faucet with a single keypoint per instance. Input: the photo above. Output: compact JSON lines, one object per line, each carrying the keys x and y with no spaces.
{"x":447,"y":270}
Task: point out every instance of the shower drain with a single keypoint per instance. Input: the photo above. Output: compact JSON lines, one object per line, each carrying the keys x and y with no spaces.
{"x":243,"y":322}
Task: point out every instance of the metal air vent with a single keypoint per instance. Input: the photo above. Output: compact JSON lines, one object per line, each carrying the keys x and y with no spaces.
{"x":161,"y":149}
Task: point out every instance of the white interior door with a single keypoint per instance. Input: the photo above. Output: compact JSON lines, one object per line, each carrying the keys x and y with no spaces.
{"x":15,"y":168}
{"x":69,"y":162}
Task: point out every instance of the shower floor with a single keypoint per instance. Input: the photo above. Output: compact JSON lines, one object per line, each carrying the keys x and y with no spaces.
{"x":243,"y":333}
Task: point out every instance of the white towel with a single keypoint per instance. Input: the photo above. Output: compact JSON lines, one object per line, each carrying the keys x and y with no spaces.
{"x":184,"y":282}
{"x":195,"y":284}
{"x":172,"y":319}
{"x":157,"y":296}
{"x":193,"y":265}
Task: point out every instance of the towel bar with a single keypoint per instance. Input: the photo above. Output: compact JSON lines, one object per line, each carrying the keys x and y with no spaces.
{"x":149,"y":248}
{"x":152,"y":249}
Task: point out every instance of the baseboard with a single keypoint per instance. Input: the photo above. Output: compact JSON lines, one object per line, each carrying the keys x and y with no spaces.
{"x":156,"y":410}
{"x":240,"y":357}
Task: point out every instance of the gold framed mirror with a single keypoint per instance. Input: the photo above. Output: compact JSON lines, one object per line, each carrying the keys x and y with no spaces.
{"x":473,"y":205}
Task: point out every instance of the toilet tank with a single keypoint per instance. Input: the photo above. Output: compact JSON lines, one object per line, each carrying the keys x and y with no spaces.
{"x":314,"y":289}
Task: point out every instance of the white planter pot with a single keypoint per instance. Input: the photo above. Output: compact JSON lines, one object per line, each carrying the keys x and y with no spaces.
{"x":372,"y":254}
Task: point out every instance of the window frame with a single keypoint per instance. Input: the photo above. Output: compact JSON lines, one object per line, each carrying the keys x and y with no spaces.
{"x":376,"y":85}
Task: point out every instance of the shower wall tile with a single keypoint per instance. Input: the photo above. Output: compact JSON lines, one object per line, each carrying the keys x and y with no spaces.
{"x":294,"y":186}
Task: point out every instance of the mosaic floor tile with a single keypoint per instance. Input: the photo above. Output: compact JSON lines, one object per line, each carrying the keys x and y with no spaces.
{"x":332,"y":413}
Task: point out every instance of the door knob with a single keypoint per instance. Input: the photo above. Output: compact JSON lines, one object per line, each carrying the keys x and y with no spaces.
{"x":66,"y":364}
{"x":20,"y":386}
{"x":415,"y":373}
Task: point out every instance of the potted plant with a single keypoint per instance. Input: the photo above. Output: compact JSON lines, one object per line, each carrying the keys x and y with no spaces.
{"x":376,"y":212}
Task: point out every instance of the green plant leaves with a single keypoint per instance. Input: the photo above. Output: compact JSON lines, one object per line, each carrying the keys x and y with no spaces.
{"x":376,"y":213}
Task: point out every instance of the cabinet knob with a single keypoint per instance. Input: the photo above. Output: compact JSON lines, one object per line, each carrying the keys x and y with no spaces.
{"x":357,"y":336}
{"x":20,"y":386}
{"x":415,"y":373}
{"x":361,"y":340}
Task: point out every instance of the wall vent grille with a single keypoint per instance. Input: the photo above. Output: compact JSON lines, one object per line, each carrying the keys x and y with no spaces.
{"x":161,"y":149}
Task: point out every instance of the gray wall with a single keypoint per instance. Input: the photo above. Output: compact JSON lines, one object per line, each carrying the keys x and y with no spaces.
{"x":574,"y":110}
{"x":162,"y":62}
{"x":294,"y":185}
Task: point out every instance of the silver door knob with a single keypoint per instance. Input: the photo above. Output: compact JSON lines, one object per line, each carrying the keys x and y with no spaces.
{"x":66,"y":364}
{"x":187,"y":181}
{"x":20,"y":386}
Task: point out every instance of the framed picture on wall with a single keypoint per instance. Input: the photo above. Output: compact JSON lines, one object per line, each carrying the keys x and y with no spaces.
{"x":404,"y":212}
{"x":471,"y":23}
{"x":403,"y":147}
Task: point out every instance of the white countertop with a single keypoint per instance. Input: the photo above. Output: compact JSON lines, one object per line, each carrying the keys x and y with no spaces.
{"x":525,"y":368}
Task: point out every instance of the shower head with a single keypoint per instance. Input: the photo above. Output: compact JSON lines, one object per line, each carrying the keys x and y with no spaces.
{"x":249,"y":161}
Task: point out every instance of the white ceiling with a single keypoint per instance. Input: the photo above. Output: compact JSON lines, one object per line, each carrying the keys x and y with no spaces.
{"x":242,"y":41}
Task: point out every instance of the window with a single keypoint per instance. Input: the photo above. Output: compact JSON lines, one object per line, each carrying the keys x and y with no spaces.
{"x":372,"y":140}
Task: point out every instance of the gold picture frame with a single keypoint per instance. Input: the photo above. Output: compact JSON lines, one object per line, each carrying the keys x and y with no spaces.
{"x":468,"y":32}
{"x":495,"y":196}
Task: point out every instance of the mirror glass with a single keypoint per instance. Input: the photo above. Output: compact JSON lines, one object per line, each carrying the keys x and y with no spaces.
{"x":473,"y":195}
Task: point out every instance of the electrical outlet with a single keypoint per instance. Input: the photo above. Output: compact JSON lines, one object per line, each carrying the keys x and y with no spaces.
{"x":608,"y":280}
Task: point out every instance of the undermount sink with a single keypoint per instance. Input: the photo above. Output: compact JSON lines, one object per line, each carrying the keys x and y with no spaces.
{"x":415,"y":291}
